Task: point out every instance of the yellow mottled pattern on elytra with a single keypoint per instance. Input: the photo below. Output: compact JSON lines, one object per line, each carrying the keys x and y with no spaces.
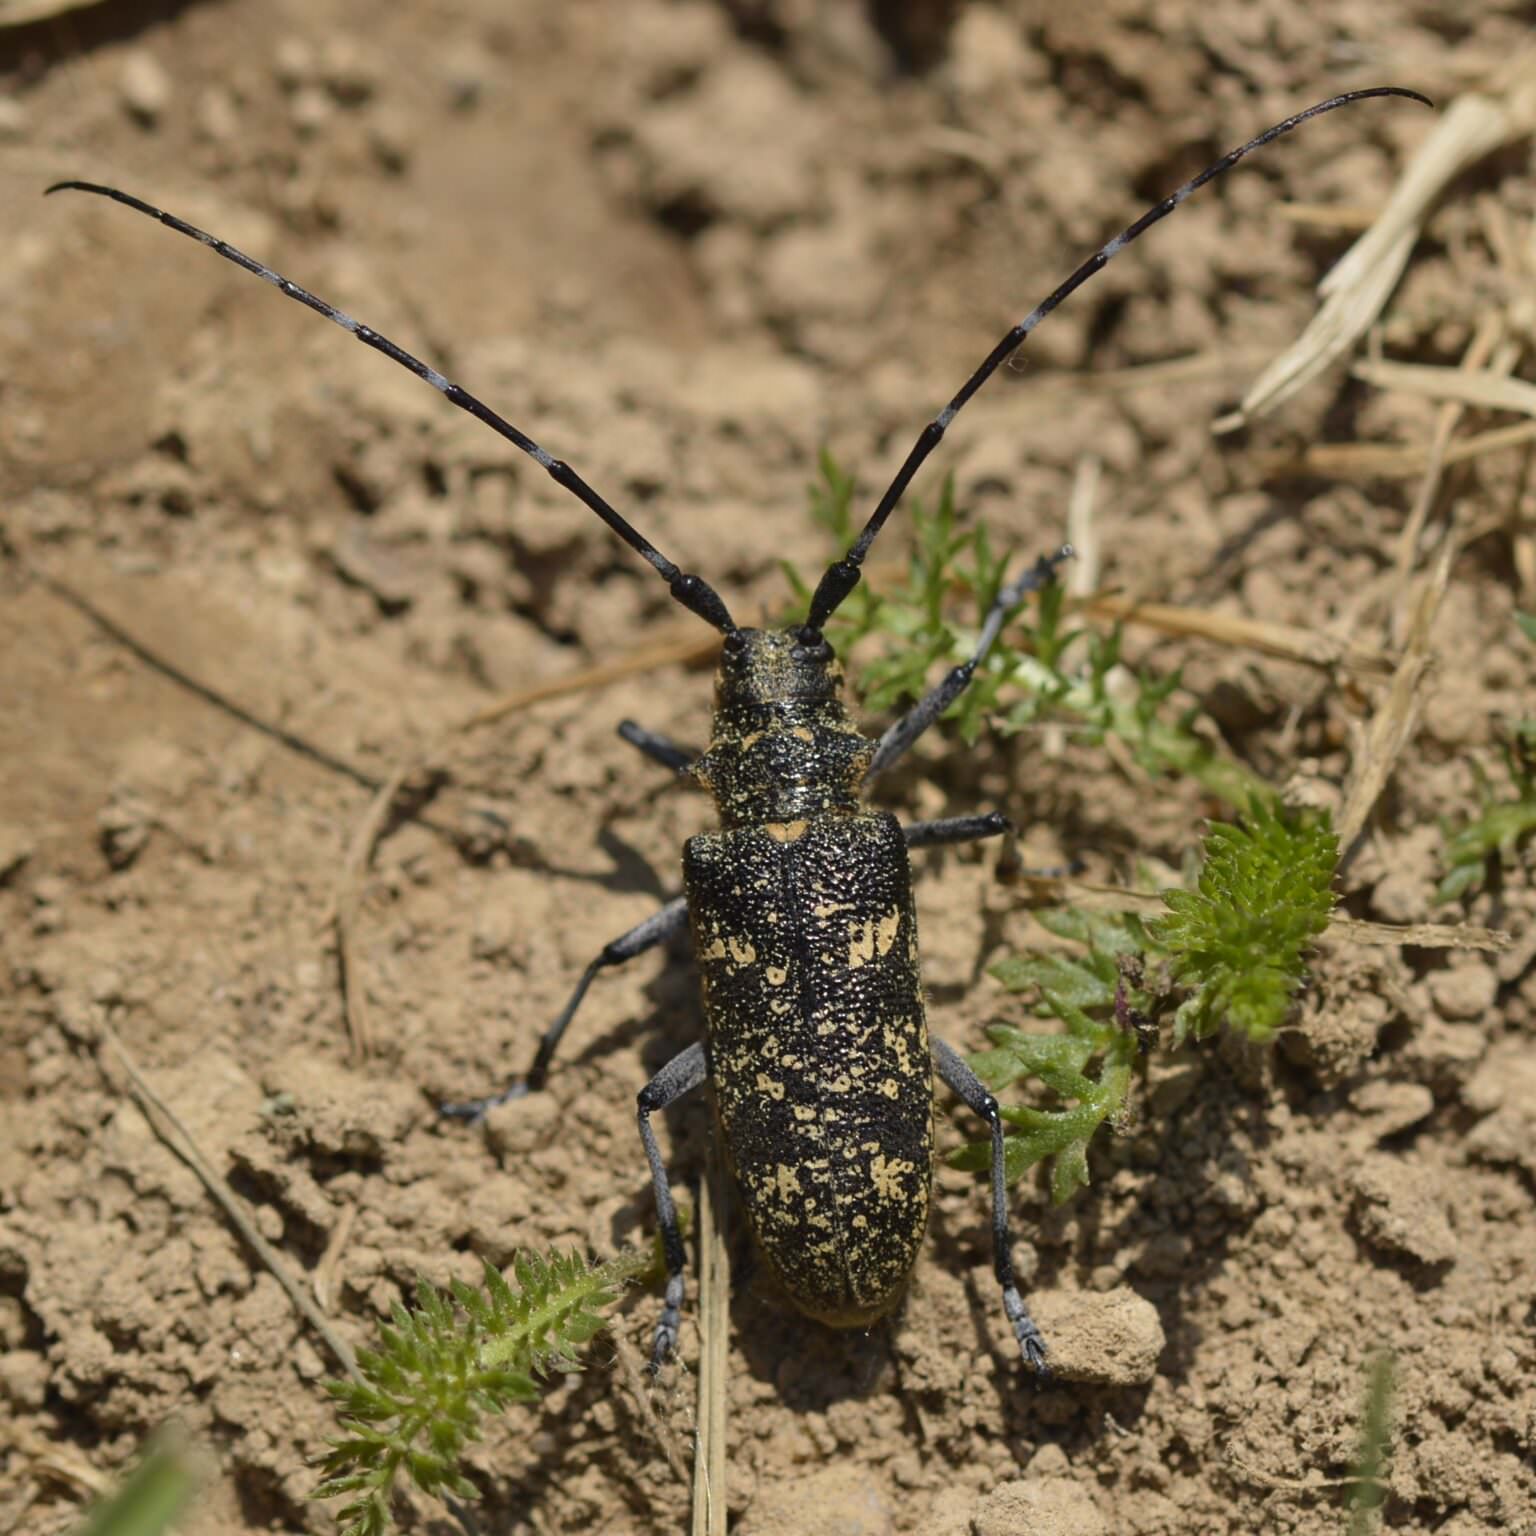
{"x":819,"y":1052}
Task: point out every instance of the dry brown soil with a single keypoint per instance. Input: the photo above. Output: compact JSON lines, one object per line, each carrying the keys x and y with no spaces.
{"x":687,"y":245}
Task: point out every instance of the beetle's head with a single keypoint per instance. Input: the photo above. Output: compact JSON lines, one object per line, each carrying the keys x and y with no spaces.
{"x":772,"y":666}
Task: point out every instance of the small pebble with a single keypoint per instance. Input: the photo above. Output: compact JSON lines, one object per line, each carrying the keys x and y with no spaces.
{"x":1045,"y":1506}
{"x":293,"y":63}
{"x":13,"y":119}
{"x":838,"y":1500}
{"x":1466,"y":992}
{"x":310,"y":110}
{"x":1396,"y":1213}
{"x":217,"y":119}
{"x":145,"y":87}
{"x":1108,"y":1337}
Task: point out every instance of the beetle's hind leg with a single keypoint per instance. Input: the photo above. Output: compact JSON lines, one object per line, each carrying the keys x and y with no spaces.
{"x":964,"y":1082}
{"x":681,"y":1075}
{"x":656,"y":929}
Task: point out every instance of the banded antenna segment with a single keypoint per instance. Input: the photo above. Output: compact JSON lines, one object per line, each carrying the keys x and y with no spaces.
{"x":693,"y":592}
{"x":842,"y":576}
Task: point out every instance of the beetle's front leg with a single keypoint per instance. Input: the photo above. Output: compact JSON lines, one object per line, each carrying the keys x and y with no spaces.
{"x":680,"y":1075}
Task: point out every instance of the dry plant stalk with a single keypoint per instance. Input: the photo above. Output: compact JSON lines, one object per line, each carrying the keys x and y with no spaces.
{"x":1287,"y":642}
{"x":709,"y":1450}
{"x":172,"y":1131}
{"x":1395,"y":720}
{"x":1356,"y":289}
{"x":1391,"y":461}
{"x":1090,"y":896}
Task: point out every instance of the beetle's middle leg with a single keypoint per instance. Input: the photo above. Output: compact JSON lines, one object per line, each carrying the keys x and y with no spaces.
{"x":971,"y":829}
{"x":964,"y":1082}
{"x":660,"y":749}
{"x":903,"y":735}
{"x":681,"y":1075}
{"x":656,"y":929}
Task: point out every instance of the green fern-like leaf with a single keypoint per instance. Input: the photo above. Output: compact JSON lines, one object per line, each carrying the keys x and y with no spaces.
{"x":1238,"y":941}
{"x":1235,"y":945}
{"x":1090,"y":1065}
{"x":447,"y":1363}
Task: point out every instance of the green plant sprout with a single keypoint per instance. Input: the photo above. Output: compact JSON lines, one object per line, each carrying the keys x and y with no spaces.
{"x":451,"y":1360}
{"x":1369,"y":1489}
{"x":1503,"y":826}
{"x":1230,"y":953}
{"x":1237,"y":941}
{"x":154,"y":1494}
{"x":1039,"y":670}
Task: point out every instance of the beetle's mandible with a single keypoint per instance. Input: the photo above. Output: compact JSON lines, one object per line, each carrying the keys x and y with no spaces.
{"x":800,"y":906}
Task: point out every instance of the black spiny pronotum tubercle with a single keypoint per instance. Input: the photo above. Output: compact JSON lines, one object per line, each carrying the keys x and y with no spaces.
{"x":800,"y":906}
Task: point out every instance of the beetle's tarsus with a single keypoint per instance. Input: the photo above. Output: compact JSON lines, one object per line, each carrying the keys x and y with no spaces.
{"x":1031,"y":1342}
{"x":664,"y":1346}
{"x":473,"y":1111}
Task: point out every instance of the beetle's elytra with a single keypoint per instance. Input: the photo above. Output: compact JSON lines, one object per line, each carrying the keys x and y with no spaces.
{"x":800,"y":906}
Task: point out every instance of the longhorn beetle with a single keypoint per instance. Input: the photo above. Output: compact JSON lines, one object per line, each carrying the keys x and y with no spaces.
{"x":800,"y":906}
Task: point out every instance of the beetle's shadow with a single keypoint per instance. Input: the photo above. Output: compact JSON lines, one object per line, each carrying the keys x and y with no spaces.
{"x":630,"y":870}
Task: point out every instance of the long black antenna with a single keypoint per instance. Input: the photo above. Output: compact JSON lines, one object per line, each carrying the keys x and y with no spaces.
{"x":842,"y":576}
{"x":693,"y":592}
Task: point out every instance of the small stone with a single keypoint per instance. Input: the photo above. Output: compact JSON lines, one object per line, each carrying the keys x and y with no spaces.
{"x":1400,"y":897}
{"x":1397,"y":1214}
{"x":839,"y":1500}
{"x":13,"y":120}
{"x":123,"y":827}
{"x":391,"y":137}
{"x":1393,"y":1107}
{"x":17,"y":845}
{"x":310,"y":110}
{"x":1503,"y":1090}
{"x":348,"y":72}
{"x":987,"y":52}
{"x":465,"y":69}
{"x":1047,"y":1506}
{"x":217,"y":119}
{"x":145,"y":87}
{"x":1467,"y":992}
{"x":293,"y":63}
{"x":1049,"y":1461}
{"x":24,"y":1378}
{"x":1447,"y":1053}
{"x":1110,"y":1338}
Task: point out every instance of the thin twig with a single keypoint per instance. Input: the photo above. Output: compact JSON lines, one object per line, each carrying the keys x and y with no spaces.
{"x":169,"y":1127}
{"x":1398,"y":715}
{"x":1391,"y":461}
{"x":1287,"y":642}
{"x":1314,"y":1484}
{"x":709,"y":1459}
{"x":1485,"y":340}
{"x":632,"y":1366}
{"x":205,"y":691}
{"x":1093,"y":897}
